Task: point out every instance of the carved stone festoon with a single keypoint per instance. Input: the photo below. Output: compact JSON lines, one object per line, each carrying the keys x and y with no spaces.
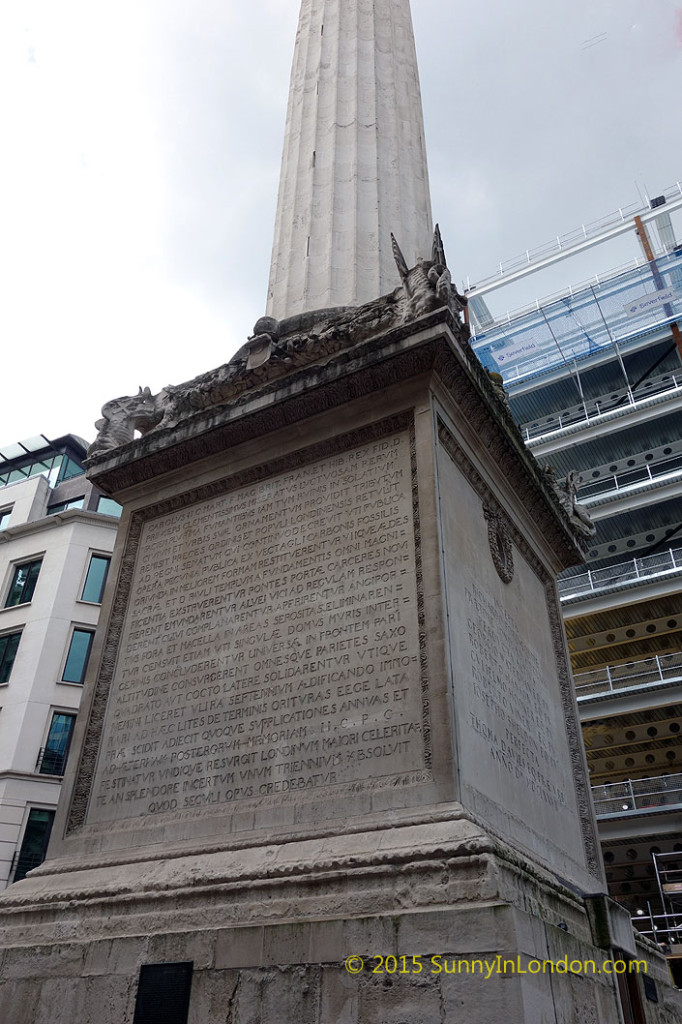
{"x":277,"y":347}
{"x":329,"y":710}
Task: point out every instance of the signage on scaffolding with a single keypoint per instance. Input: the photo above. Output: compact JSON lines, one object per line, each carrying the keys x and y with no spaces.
{"x":652,"y":301}
{"x":515,"y":353}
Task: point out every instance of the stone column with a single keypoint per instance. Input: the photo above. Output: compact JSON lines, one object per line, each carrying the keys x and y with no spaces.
{"x":354,"y":164}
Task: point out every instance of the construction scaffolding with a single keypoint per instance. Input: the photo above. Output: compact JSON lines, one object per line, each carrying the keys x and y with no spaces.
{"x":609,"y":312}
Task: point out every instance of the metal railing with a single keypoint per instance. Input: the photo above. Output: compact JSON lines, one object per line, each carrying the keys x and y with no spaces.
{"x":620,"y":480}
{"x":598,"y":280}
{"x":22,"y":863}
{"x":596,"y":408}
{"x":571,"y":238}
{"x":51,"y":762}
{"x":581,"y":322}
{"x":664,"y":929}
{"x":648,"y":567}
{"x":662,"y":668}
{"x":643,"y":794}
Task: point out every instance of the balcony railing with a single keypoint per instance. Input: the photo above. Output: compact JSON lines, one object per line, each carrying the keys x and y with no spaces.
{"x":646,"y":568}
{"x":22,"y":863}
{"x":51,"y":762}
{"x":573,"y":238}
{"x":594,"y":409}
{"x":644,"y":794}
{"x":662,"y":668}
{"x":630,"y":478}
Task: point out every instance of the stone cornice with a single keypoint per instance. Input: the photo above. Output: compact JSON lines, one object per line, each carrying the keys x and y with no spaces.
{"x":426,"y":344}
{"x":480,"y":867}
{"x":287,"y":398}
{"x":66,"y":518}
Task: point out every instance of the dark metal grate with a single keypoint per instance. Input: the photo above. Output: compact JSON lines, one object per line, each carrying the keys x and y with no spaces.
{"x":163,"y":993}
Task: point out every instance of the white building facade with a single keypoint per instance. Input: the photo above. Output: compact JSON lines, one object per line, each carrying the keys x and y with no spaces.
{"x":56,"y":537}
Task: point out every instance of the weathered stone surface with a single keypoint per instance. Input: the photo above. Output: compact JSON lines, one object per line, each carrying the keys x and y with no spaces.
{"x":419,"y":850}
{"x":199,"y":947}
{"x":19,"y":1000}
{"x":125,"y":956}
{"x":270,"y":645}
{"x":295,"y":972}
{"x":112,"y":996}
{"x":53,"y":961}
{"x":354,"y":163}
{"x":511,"y":675}
{"x":239,"y":947}
{"x":400,"y":999}
{"x":213,"y":998}
{"x":60,"y":1000}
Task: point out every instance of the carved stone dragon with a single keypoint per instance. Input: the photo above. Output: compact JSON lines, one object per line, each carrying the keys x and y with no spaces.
{"x":278,"y":347}
{"x":567,"y":493}
{"x":121,"y":417}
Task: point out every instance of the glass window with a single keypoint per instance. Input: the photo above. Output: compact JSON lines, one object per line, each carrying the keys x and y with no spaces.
{"x":62,"y":506}
{"x":109,"y":507}
{"x":69,"y":468}
{"x":77,"y":658}
{"x":5,"y":513}
{"x":96,"y":578}
{"x":34,"y":843}
{"x":55,"y":467}
{"x":52,"y":758}
{"x":8,"y":649}
{"x":23,"y":583}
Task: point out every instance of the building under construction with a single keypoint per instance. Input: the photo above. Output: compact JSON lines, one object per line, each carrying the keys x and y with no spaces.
{"x":594,"y":377}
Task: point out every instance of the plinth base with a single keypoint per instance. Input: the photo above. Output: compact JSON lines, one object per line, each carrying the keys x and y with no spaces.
{"x":448,"y":923}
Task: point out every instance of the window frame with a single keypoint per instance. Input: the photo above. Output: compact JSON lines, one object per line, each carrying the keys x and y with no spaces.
{"x":46,"y":839}
{"x":67,"y":713}
{"x":105,"y":555}
{"x":15,"y":567}
{"x":65,"y":468}
{"x":7,"y":636}
{"x":106,"y":497}
{"x":77,"y":627}
{"x":5,"y":511}
{"x":66,"y":506}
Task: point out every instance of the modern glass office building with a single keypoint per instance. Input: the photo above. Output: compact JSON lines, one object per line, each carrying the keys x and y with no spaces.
{"x":56,"y":537}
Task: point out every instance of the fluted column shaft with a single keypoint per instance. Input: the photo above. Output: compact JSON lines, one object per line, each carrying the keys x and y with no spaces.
{"x":354,"y":164}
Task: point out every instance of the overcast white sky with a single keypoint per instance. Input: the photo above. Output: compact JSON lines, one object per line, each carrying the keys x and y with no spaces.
{"x":141,"y":143}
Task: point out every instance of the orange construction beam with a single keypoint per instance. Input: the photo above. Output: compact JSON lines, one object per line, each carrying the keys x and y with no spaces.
{"x":658,"y":280}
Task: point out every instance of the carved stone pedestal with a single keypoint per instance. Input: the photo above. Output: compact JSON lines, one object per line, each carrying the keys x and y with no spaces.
{"x":329,"y":712}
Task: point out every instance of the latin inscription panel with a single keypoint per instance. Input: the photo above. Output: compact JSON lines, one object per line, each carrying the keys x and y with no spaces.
{"x":510,"y":716}
{"x":271,"y":643}
{"x":515,"y":765}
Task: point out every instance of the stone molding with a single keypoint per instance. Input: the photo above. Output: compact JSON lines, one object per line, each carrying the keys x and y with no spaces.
{"x":408,"y":351}
{"x":453,"y":858}
{"x":491,"y":421}
{"x":270,"y":404}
